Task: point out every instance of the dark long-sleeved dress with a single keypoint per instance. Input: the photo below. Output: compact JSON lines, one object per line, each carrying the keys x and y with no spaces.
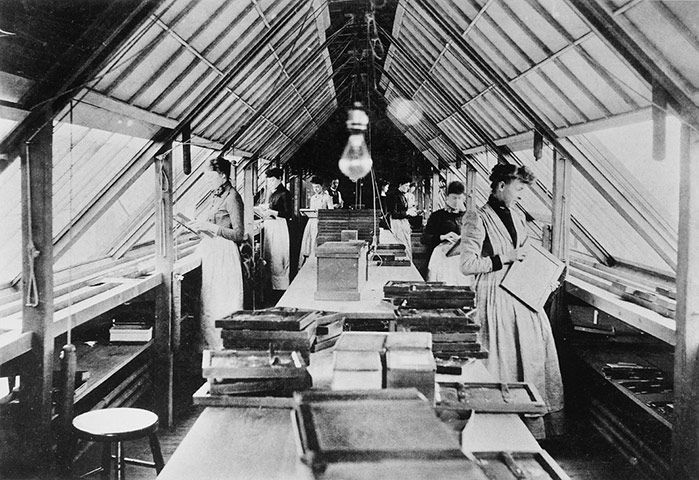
{"x":276,"y":244}
{"x":400,"y":226}
{"x":441,"y":267}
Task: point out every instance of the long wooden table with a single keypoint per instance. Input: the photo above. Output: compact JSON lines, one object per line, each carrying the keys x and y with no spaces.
{"x":258,"y":442}
{"x":300,"y":293}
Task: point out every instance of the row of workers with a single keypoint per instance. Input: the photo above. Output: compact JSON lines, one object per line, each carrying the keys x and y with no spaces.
{"x":484,"y":243}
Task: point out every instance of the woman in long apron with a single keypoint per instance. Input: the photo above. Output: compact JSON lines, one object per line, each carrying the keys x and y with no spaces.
{"x":520,"y":342}
{"x":276,"y":213}
{"x":400,"y":214}
{"x":221,"y":229}
{"x":440,"y":237}
{"x":320,"y":200}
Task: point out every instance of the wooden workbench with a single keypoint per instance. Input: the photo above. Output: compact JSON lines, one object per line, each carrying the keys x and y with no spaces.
{"x":258,"y":442}
{"x":300,"y":293}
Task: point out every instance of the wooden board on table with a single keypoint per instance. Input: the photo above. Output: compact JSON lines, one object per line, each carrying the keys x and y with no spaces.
{"x":444,"y":320}
{"x":370,"y":426}
{"x":277,"y":318}
{"x":530,"y":280}
{"x":240,"y":364}
{"x":518,"y":397}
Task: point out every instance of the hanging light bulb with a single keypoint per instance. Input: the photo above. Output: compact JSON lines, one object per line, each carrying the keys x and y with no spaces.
{"x":355,"y":161}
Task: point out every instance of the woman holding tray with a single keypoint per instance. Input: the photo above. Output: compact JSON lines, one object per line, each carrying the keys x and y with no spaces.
{"x":519,"y":340}
{"x":319,"y":201}
{"x":221,"y":229}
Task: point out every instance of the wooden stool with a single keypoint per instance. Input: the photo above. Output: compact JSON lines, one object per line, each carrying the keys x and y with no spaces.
{"x":117,"y":425}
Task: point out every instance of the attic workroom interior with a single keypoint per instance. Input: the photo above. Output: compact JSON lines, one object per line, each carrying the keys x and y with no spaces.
{"x":349,"y":239}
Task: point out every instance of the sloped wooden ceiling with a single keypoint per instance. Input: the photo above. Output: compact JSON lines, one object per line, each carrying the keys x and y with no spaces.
{"x":257,"y":78}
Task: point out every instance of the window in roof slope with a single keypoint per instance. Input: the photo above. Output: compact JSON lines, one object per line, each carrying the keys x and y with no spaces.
{"x":630,"y":147}
{"x":11,"y":221}
{"x":119,"y":216}
{"x":6,"y":126}
{"x":597,"y":216}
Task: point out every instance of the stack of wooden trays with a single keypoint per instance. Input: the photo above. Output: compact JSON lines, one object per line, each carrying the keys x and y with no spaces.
{"x":390,"y":255}
{"x":328,"y":330}
{"x":332,"y":222}
{"x":455,"y":332}
{"x":412,"y":294}
{"x":446,"y":311}
{"x":358,"y":361}
{"x":244,"y":372}
{"x":410,"y":363}
{"x":288,"y":329}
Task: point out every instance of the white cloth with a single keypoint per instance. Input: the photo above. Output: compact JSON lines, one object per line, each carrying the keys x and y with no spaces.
{"x":401,"y":230}
{"x":446,"y":269}
{"x":276,"y":251}
{"x":221,"y":286}
{"x":320,"y":201}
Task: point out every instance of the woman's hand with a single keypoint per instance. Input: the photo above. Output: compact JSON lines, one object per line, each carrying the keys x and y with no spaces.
{"x":516,"y":255}
{"x":206,"y":227}
{"x":411,"y":212}
{"x":449,"y":237}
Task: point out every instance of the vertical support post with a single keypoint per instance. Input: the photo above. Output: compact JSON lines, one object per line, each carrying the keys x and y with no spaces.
{"x":685,"y":429}
{"x":249,"y":198}
{"x":37,"y":297}
{"x":658,"y":107}
{"x":560,"y":221}
{"x":296,"y":185}
{"x":560,"y":233}
{"x":435,"y":191}
{"x":164,"y":260}
{"x":470,"y":187}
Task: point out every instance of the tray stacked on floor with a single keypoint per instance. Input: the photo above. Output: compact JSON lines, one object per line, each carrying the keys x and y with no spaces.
{"x":446,"y":311}
{"x":387,"y":434}
{"x":287,"y":329}
{"x":254,"y":372}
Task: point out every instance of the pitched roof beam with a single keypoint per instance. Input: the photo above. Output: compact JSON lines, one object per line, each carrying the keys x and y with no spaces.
{"x":301,"y":67}
{"x":56,"y":93}
{"x":651,"y":67}
{"x":293,"y":45}
{"x":645,"y":227}
{"x":80,"y":223}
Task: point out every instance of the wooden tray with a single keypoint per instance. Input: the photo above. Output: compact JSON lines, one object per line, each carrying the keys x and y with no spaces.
{"x":445,"y":320}
{"x":278,"y":318}
{"x":520,"y":465}
{"x":272,"y":386}
{"x":433,"y":302}
{"x":246,"y":364}
{"x":405,"y":289}
{"x":370,"y":425}
{"x":492,"y":397}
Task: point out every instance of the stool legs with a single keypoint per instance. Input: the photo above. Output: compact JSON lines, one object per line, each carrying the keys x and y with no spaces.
{"x":157,"y":454}
{"x":120,"y":461}
{"x":106,"y":460}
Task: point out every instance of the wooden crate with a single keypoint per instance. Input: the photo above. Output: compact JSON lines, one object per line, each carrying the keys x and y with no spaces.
{"x":342,"y":270}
